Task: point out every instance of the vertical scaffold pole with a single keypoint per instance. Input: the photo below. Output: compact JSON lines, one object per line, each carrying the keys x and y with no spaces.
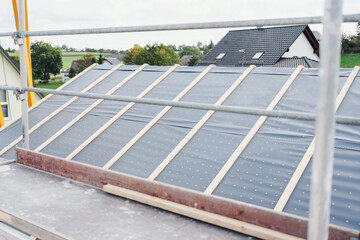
{"x":322,"y":165}
{"x":23,"y":75}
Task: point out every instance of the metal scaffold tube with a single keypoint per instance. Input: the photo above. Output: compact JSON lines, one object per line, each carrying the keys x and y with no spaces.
{"x":183,"y":26}
{"x":23,"y":76}
{"x":322,"y":165}
{"x":193,"y":105}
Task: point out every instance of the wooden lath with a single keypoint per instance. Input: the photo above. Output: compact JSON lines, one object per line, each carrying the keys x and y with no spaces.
{"x":285,"y":196}
{"x":199,"y":125}
{"x":51,"y":115}
{"x":234,"y":156}
{"x":140,"y":134}
{"x":119,"y":114}
{"x":88,"y":109}
{"x":50,"y":95}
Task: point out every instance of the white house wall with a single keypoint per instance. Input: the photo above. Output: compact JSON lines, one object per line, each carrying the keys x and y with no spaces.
{"x":301,"y":48}
{"x":9,"y":76}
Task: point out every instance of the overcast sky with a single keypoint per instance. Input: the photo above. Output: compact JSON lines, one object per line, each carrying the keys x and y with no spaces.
{"x":68,"y":14}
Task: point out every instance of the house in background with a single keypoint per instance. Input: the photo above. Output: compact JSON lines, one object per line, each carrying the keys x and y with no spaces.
{"x":114,"y":59}
{"x":10,"y":76}
{"x":184,"y":60}
{"x":287,"y":46}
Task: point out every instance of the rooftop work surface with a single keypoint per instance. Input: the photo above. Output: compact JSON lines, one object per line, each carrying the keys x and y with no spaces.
{"x":78,"y":211}
{"x":257,"y":160}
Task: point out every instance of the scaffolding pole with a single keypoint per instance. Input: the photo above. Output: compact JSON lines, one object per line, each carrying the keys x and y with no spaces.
{"x":322,"y":165}
{"x":23,"y":76}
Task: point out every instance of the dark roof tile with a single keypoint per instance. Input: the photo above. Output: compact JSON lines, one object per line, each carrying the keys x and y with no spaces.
{"x":273,"y":42}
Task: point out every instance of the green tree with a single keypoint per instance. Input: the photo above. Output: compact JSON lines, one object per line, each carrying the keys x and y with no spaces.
{"x":101,"y":59}
{"x":208,"y":47}
{"x":194,"y":60}
{"x":16,"y":59}
{"x":45,"y":60}
{"x":173,"y":47}
{"x":80,"y":69}
{"x":350,"y":44}
{"x":64,"y":48}
{"x":157,"y":55}
{"x":130,"y":54}
{"x":9,"y":50}
{"x":190,"y":50}
{"x":85,"y":61}
{"x":72,"y":73}
{"x":358,"y":28}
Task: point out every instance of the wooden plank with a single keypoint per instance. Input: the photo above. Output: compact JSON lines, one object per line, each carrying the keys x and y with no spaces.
{"x":290,"y":187}
{"x":143,"y":131}
{"x":50,"y":95}
{"x":119,"y":114}
{"x":199,"y":125}
{"x":87,"y":110}
{"x":98,"y":177}
{"x":62,"y":107}
{"x":234,"y":156}
{"x":192,"y":212}
{"x":29,"y":227}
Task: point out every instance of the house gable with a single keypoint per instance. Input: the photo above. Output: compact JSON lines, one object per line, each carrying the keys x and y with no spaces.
{"x":301,"y":48}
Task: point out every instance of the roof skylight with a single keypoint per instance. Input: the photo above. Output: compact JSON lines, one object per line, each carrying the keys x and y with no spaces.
{"x":257,"y":55}
{"x":220,"y":56}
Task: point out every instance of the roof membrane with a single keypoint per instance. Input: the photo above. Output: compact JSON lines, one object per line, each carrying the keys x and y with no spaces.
{"x":242,"y":157}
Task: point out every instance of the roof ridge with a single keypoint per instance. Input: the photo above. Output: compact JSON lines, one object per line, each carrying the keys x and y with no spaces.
{"x":273,"y":27}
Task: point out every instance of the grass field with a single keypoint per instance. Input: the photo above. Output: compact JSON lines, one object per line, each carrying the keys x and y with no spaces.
{"x":16,"y":53}
{"x":350,"y":60}
{"x":53,"y":84}
{"x":68,"y":57}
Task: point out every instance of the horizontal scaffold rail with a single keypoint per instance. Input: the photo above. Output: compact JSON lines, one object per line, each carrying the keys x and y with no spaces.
{"x":181,"y":26}
{"x":192,"y":105}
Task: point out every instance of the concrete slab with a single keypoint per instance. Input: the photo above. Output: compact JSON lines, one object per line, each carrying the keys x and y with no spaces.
{"x":79,"y":211}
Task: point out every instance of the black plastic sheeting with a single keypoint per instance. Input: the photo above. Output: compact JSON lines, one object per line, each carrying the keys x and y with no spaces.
{"x":37,"y":114}
{"x":345,"y":201}
{"x":261,"y":172}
